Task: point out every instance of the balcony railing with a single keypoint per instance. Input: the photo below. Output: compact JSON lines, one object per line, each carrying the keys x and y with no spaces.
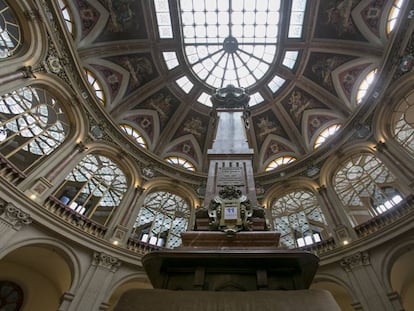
{"x":55,"y":206}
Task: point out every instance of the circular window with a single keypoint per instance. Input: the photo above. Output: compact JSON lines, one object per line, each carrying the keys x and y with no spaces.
{"x":11,"y":296}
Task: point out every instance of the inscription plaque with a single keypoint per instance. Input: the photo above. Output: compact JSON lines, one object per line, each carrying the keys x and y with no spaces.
{"x":227,"y":176}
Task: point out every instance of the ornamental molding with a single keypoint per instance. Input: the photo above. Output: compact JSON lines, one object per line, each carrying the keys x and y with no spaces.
{"x":14,"y":216}
{"x":106,"y":261}
{"x":356,"y":260}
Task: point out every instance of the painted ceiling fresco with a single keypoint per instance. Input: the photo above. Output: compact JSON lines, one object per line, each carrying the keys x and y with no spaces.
{"x":119,"y":41}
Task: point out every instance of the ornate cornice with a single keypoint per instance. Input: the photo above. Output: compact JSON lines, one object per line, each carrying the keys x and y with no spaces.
{"x":14,"y":216}
{"x":106,"y":261}
{"x":356,"y":260}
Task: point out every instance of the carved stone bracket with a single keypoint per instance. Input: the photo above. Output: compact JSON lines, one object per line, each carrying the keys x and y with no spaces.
{"x":356,"y":260}
{"x":106,"y":261}
{"x":14,"y":216}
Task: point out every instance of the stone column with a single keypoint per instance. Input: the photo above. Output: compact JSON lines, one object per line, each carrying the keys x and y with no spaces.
{"x":120,"y":226}
{"x":342,"y":227}
{"x":94,"y":287}
{"x":366,"y":284}
{"x":12,"y":219}
{"x":398,"y":165}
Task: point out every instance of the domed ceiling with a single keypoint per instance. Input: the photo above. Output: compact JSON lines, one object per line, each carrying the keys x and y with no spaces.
{"x":301,"y":82}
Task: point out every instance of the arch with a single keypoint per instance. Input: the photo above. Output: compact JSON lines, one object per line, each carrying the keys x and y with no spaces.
{"x":61,"y":248}
{"x":36,"y":124}
{"x":32,"y":50}
{"x":342,"y":292}
{"x":95,"y":187}
{"x":292,"y":184}
{"x":296,"y":213}
{"x":397,"y":93}
{"x":392,"y":255}
{"x":131,"y":281}
{"x":172,"y":185}
{"x":45,"y":268}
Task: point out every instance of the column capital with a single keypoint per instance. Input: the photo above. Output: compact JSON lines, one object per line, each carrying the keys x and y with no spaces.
{"x":356,"y":260}
{"x":14,"y":216}
{"x":106,"y":261}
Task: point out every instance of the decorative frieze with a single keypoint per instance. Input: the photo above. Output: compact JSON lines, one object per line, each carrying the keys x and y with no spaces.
{"x":106,"y":261}
{"x":356,"y":260}
{"x":13,"y":216}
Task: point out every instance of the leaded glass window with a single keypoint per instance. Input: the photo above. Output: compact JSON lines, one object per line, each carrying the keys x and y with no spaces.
{"x":10,"y":32}
{"x":404,"y":123}
{"x":161,"y":219}
{"x":32,"y":125}
{"x":136,"y":136}
{"x":279,"y":162}
{"x":325,"y":134}
{"x":176,"y":160}
{"x":361,"y":185}
{"x":94,"y":188}
{"x":299,"y":219}
{"x":230,"y":42}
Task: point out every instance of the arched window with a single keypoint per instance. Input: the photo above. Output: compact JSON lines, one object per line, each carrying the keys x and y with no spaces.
{"x":10,"y":32}
{"x":365,"y":85}
{"x":403,"y":124}
{"x":323,"y":136}
{"x":96,"y":86}
{"x":279,"y":162}
{"x":136,"y":136}
{"x":94,"y":188}
{"x":32,"y":125}
{"x":393,"y":15}
{"x":11,"y":296}
{"x":299,"y":219}
{"x":181,"y":162}
{"x":363,"y":183}
{"x":67,"y":15}
{"x":162,"y":218}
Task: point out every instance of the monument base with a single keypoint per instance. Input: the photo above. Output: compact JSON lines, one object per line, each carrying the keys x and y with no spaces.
{"x":161,"y":300}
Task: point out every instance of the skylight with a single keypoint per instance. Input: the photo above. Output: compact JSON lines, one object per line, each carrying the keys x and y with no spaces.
{"x":255,"y":99}
{"x":185,"y":84}
{"x":230,"y":42}
{"x":276,"y":83}
{"x":297,"y":15}
{"x":170,"y":59}
{"x":162,"y":11}
{"x":290,"y":59}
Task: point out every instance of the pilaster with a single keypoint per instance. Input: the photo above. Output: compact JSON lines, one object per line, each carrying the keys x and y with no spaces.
{"x":366,"y":284}
{"x":12,"y":219}
{"x":95,"y":284}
